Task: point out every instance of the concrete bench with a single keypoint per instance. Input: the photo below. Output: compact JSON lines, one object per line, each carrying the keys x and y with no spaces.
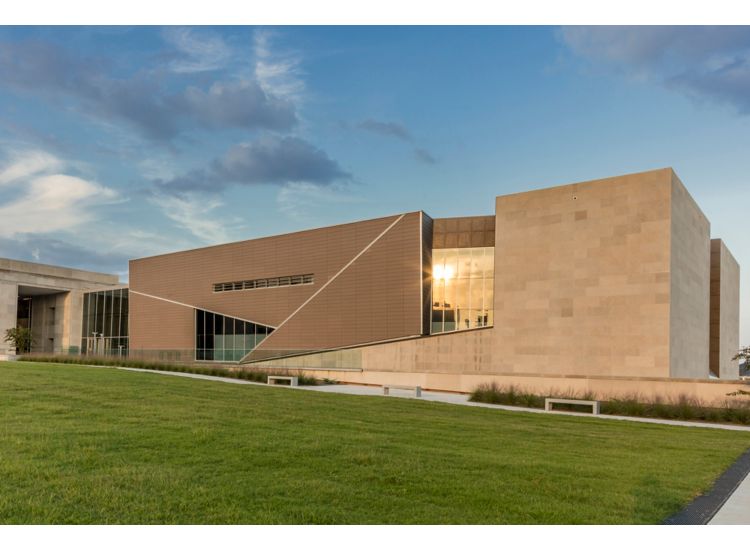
{"x":417,"y":389}
{"x":549,"y":401}
{"x":272,"y":380}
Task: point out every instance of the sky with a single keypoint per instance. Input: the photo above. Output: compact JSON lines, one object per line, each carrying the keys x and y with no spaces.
{"x":125,"y":142}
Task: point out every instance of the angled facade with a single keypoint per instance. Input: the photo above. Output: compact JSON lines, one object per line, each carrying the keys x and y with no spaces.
{"x":609,"y":278}
{"x":608,"y":285}
{"x":310,"y":291}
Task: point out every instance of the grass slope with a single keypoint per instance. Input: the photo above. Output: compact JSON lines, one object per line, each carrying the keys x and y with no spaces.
{"x":94,"y":445}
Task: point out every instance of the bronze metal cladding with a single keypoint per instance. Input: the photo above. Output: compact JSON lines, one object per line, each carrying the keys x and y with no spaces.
{"x":466,"y":232}
{"x":378,"y":296}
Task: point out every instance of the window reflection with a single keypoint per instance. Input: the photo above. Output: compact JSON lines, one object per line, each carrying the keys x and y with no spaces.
{"x":104,"y":329}
{"x":462,"y":288}
{"x":220,"y":338}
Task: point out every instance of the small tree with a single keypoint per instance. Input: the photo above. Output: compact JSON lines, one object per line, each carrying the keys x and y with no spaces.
{"x":744,"y":353}
{"x":20,"y":338}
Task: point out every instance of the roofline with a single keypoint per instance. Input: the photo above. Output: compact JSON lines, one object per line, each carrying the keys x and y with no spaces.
{"x":668,"y":169}
{"x":75,"y":271}
{"x":320,"y":228}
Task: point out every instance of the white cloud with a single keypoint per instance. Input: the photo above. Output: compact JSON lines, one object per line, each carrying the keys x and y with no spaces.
{"x":28,"y":163}
{"x":53,"y":203}
{"x":199,"y":52}
{"x":194,"y":213}
{"x":44,"y":199}
{"x":278,"y":74}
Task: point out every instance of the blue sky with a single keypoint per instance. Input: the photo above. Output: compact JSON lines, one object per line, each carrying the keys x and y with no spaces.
{"x":123,"y":142}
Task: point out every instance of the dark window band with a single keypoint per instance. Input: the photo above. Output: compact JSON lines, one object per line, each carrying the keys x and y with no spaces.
{"x":289,"y":280}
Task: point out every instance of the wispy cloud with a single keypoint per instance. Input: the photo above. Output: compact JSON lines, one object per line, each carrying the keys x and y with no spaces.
{"x":268,"y":160}
{"x":424,"y":156}
{"x":706,"y":63}
{"x":196,"y":51}
{"x":52,"y":250}
{"x":21,"y":165}
{"x":142,"y":99}
{"x":303,"y":200}
{"x":278,"y":73}
{"x":388,"y":129}
{"x":398,"y":131}
{"x":43,"y":198}
{"x":196,"y":214}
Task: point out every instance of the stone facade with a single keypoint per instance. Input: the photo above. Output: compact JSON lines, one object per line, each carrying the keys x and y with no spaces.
{"x":725,"y":311}
{"x":57,"y":299}
{"x":607,"y":281}
{"x":690,"y":286}
{"x":583,"y":278}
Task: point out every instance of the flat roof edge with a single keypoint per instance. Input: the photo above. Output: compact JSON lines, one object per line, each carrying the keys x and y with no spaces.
{"x":34,"y":268}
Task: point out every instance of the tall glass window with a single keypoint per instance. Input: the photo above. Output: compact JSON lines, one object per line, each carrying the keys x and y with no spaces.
{"x":221,"y":338}
{"x":105,"y":323}
{"x":462,"y":288}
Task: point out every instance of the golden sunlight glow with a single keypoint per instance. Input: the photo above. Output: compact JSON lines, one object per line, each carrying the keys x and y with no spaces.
{"x":440,"y":271}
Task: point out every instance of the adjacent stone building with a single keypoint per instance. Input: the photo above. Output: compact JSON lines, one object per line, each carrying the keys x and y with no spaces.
{"x":49,"y":300}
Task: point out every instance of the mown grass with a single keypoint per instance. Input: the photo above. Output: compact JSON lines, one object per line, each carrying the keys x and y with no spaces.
{"x":732,"y":411}
{"x":88,"y":445}
{"x":240,"y":372}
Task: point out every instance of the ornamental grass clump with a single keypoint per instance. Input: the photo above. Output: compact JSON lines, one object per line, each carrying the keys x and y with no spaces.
{"x":506,"y":395}
{"x":682,"y":407}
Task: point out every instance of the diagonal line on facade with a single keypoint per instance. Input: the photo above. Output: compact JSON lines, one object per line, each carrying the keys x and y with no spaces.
{"x":329,"y":281}
{"x":196,"y":307}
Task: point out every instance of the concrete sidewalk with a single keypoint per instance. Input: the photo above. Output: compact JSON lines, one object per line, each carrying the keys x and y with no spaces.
{"x":440,"y":397}
{"x":736,"y":510}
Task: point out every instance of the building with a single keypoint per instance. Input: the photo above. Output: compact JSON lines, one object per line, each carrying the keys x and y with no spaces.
{"x":612,"y":285}
{"x":50,"y":301}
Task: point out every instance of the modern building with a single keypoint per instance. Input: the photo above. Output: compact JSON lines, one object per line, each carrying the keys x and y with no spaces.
{"x":51,"y":302}
{"x":611,"y":285}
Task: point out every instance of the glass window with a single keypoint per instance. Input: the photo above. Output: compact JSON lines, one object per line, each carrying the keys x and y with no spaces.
{"x":104,"y":326}
{"x":99,"y":318}
{"x":462,"y":282}
{"x":462,"y":304}
{"x":265,"y":283}
{"x":200,"y":329}
{"x":222,"y":338}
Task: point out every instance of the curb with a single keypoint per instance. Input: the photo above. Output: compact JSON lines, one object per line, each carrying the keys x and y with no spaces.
{"x":704,"y":507}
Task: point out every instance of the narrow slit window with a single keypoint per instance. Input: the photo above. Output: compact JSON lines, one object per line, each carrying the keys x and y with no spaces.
{"x":272,"y":282}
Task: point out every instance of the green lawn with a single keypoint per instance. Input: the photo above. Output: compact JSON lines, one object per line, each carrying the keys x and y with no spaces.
{"x":95,"y":445}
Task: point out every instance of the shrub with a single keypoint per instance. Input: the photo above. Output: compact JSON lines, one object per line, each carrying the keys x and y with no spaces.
{"x":20,"y":338}
{"x":505,"y":395}
{"x":683,"y":407}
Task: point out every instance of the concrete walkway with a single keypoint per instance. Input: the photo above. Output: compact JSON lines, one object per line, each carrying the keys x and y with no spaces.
{"x":441,"y":397}
{"x":736,"y":510}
